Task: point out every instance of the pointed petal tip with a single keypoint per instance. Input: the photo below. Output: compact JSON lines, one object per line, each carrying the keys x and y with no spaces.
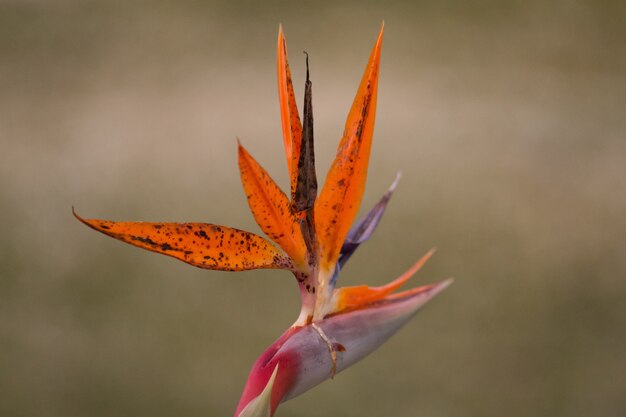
{"x":380,"y":34}
{"x":362,"y":296}
{"x":415,"y":298}
{"x":364,"y":229}
{"x":75,"y":214}
{"x":281,"y":33}
{"x":440,"y":286}
{"x":261,"y":405}
{"x":376,"y":50}
{"x":81,"y":219}
{"x":398,"y":282}
{"x":395,"y":182}
{"x":241,"y":152}
{"x":430,"y":290}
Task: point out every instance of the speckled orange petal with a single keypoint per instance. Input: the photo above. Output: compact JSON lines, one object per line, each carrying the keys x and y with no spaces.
{"x":292,"y":127}
{"x":271,"y":208}
{"x":199,"y":244}
{"x":349,"y":298}
{"x":340,"y":197}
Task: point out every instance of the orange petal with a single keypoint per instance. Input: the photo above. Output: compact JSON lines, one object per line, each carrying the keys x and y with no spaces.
{"x":340,"y":197}
{"x":199,"y":244}
{"x":271,"y":207}
{"x":292,"y":127}
{"x":349,"y":298}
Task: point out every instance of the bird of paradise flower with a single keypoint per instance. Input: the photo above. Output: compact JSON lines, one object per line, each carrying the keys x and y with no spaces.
{"x":336,"y":326}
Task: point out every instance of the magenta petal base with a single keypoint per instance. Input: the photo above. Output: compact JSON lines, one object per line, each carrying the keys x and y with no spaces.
{"x":303,"y":356}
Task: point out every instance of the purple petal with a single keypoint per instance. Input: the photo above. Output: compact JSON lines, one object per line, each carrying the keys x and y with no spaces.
{"x":364,"y":229}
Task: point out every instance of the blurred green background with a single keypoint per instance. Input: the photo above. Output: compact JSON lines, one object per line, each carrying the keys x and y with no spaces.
{"x":507,"y":120}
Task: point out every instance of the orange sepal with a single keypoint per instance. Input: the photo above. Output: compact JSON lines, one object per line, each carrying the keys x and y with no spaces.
{"x":340,"y":197}
{"x":271,"y":208}
{"x":350,"y":298}
{"x":292,"y":127}
{"x":199,"y":244}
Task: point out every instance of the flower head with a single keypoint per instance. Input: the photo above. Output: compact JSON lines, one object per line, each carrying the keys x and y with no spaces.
{"x":316,"y":234}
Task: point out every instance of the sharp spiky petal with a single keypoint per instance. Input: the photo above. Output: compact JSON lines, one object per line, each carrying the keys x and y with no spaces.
{"x":341,"y":195}
{"x":364,"y":229}
{"x":271,"y":208}
{"x":290,"y":120}
{"x":306,"y":183}
{"x":350,"y":298}
{"x":203,"y":245}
